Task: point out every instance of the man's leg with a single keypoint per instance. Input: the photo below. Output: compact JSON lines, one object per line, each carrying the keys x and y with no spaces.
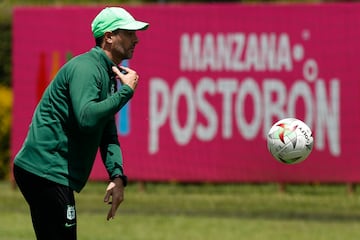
{"x":52,"y":206}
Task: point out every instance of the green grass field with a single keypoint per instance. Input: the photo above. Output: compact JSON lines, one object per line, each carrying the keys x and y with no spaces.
{"x":202,"y":212}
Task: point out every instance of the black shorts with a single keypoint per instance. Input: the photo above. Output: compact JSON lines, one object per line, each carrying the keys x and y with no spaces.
{"x":52,"y":206}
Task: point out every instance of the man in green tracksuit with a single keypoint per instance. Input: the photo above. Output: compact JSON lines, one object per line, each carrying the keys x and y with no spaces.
{"x":76,"y":117}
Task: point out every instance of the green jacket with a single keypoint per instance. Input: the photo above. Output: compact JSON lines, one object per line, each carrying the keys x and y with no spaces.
{"x":75,"y":117}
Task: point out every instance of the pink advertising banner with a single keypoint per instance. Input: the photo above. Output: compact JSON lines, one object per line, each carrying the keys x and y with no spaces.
{"x":213,"y":79}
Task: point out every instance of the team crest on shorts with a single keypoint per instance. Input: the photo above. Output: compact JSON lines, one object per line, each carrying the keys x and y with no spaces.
{"x":70,"y":212}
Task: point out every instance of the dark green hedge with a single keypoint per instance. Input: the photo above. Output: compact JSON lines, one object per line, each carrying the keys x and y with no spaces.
{"x":5,"y":53}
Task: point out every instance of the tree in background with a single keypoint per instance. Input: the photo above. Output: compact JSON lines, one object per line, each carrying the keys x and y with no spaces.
{"x":5,"y":126}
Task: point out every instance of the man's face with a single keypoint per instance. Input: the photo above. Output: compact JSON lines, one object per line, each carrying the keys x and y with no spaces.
{"x":123,"y":45}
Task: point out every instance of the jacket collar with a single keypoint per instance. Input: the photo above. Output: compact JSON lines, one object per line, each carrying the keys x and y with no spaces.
{"x":104,"y":60}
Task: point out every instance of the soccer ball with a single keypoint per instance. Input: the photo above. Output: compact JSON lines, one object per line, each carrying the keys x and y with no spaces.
{"x":290,"y":141}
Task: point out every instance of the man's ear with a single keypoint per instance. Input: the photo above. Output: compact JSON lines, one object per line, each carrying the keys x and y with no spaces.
{"x":108,"y":37}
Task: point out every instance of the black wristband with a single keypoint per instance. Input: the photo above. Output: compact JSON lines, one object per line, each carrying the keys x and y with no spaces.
{"x":122,"y":177}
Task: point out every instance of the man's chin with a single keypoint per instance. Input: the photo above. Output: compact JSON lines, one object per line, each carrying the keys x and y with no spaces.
{"x":129,"y":56}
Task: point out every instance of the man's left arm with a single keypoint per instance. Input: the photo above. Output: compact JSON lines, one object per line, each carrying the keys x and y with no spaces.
{"x":112,"y":157}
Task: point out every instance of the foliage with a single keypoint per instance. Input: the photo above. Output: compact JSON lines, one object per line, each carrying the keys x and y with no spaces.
{"x":5,"y":52}
{"x":5,"y":126}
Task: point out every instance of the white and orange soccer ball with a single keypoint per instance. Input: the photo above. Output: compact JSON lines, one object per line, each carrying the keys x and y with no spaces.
{"x":290,"y":141}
